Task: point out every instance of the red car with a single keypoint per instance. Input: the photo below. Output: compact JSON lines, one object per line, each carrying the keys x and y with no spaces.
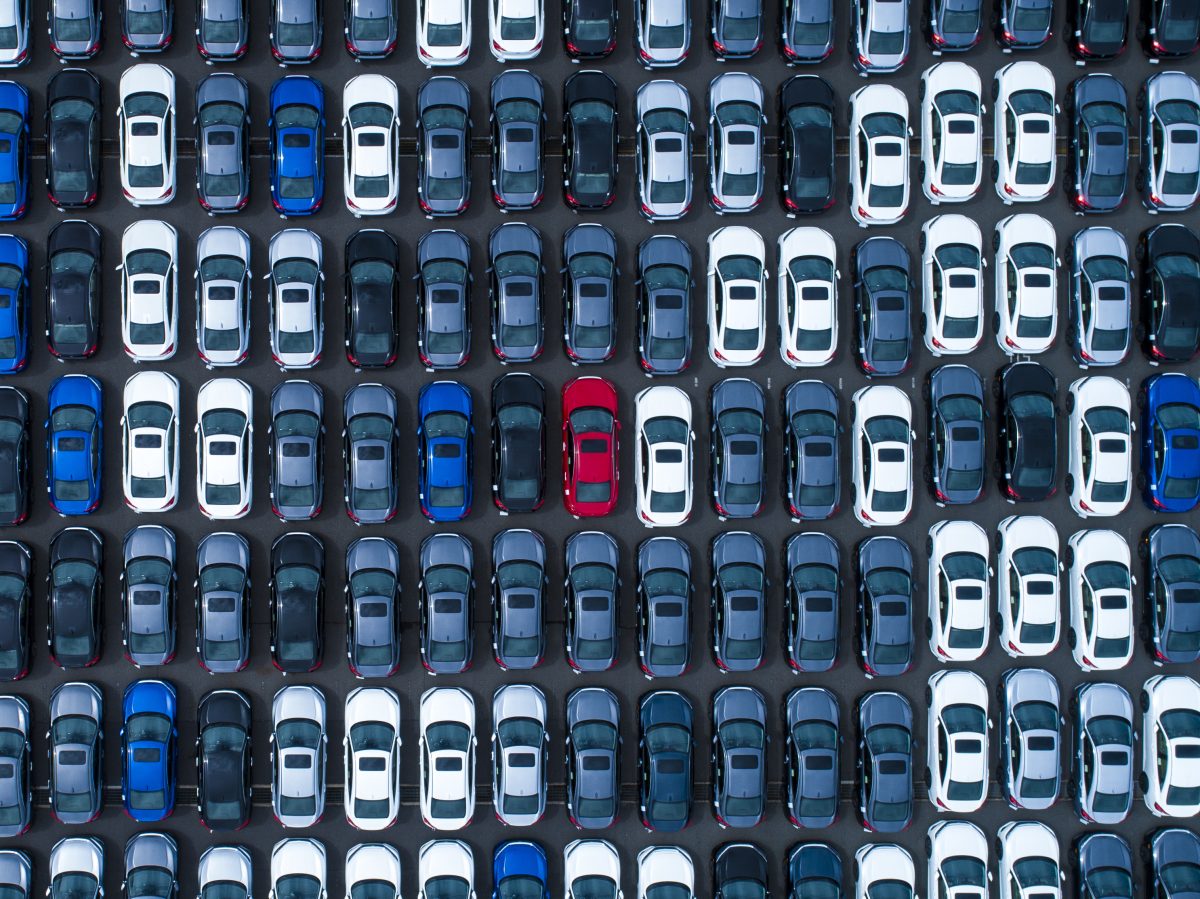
{"x":590,"y":429}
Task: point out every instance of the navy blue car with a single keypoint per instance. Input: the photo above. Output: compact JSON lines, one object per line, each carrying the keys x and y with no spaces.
{"x":297,"y":129}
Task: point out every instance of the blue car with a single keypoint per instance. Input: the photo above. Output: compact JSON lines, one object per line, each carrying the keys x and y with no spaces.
{"x":519,"y":871}
{"x":148,"y":750}
{"x":444,"y":451}
{"x":1170,"y":478}
{"x":74,"y":444}
{"x":14,"y":151}
{"x":297,"y":129}
{"x":14,"y":304}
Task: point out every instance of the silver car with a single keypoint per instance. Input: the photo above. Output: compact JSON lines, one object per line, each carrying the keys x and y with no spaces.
{"x":664,"y":32}
{"x":1170,"y":175}
{"x":222,"y":589}
{"x":76,"y":749}
{"x":1103,"y":750}
{"x":879,"y":40}
{"x":664,"y":150}
{"x":76,"y":869}
{"x":1100,"y":297}
{"x":16,"y":873}
{"x":148,"y":578}
{"x":519,"y":755}
{"x":151,"y":867}
{"x":298,"y":742}
{"x":296,"y":450}
{"x":228,"y":869}
{"x":1030,"y":738}
{"x":297,"y":298}
{"x":223,"y":296}
{"x":16,"y":772}
{"x":372,"y":594}
{"x":222,"y":125}
{"x":735,"y":142}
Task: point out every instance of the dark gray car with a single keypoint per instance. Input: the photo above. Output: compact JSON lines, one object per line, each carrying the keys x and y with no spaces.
{"x":447,"y":600}
{"x":223,"y":602}
{"x":664,"y":301}
{"x":222,"y":29}
{"x":736,"y":28}
{"x":443,"y":146}
{"x":739,"y":600}
{"x":885,"y":606}
{"x":518,"y":599}
{"x":148,"y":576}
{"x":147,"y":26}
{"x":883,"y":298}
{"x":297,"y":29}
{"x":739,"y":744}
{"x":515,"y":285}
{"x":589,"y":256}
{"x":371,"y":446}
{"x":812,"y":562}
{"x":739,"y":430}
{"x":75,"y":743}
{"x":812,"y":474}
{"x":16,"y":767}
{"x":297,"y":450}
{"x":884,"y":761}
{"x":222,"y":143}
{"x":593,"y":757}
{"x":518,"y":124}
{"x":443,"y":299}
{"x":813,"y":734}
{"x":370,"y":28}
{"x":956,"y":434}
{"x":1172,"y":577}
{"x":372,"y":595}
{"x":664,"y":599}
{"x":590,"y":595}
{"x":1100,"y":297}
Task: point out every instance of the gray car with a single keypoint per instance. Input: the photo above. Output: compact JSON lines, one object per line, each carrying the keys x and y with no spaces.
{"x":16,"y":773}
{"x":148,"y":578}
{"x":811,"y":757}
{"x":735,"y":142}
{"x":814,"y":585}
{"x":370,"y":28}
{"x":518,"y":124}
{"x":739,"y":430}
{"x":664,"y":32}
{"x":664,"y":304}
{"x":222,"y":29}
{"x":16,"y":873}
{"x":296,"y":448}
{"x":884,"y":725}
{"x":739,"y":744}
{"x":223,"y":602}
{"x":447,"y":603}
{"x":222,"y":143}
{"x":879,"y":36}
{"x":515,"y":286}
{"x":518,"y":599}
{"x":372,"y":594}
{"x":1030,"y":738}
{"x":1169,"y":179}
{"x":593,"y":757}
{"x":885,"y":606}
{"x":590,"y":594}
{"x":664,"y":150}
{"x":812,"y":478}
{"x":297,"y":30}
{"x":589,"y":256}
{"x":151,"y":867}
{"x":739,"y":601}
{"x":76,"y":869}
{"x":664,"y":602}
{"x":371,"y":446}
{"x":76,"y":749}
{"x":1103,"y":753}
{"x":223,"y":296}
{"x":75,"y":28}
{"x":443,"y":146}
{"x":443,"y":299}
{"x":1100,"y":297}
{"x":147,"y":26}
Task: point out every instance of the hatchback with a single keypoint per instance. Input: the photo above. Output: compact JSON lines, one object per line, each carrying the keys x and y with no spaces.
{"x":297,"y":133}
{"x":593,"y":746}
{"x":518,"y":130}
{"x":884,"y":733}
{"x":443,"y":146}
{"x":1099,"y":144}
{"x":1169,"y":179}
{"x":518,"y":443}
{"x":222,"y":124}
{"x":590,"y":139}
{"x":371,"y":453}
{"x":447,"y":602}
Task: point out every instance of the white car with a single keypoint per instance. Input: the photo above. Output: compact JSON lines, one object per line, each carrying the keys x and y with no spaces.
{"x":959,"y":605}
{"x":586,"y":865}
{"x":371,"y":750}
{"x":1026,"y":317}
{"x":1100,"y":446}
{"x":737,"y":296}
{"x":447,"y":742}
{"x":79,"y":863}
{"x":298,"y":755}
{"x":146,"y":123}
{"x":957,"y":861}
{"x":1027,"y":588}
{"x":952,"y":265}
{"x":879,"y":135}
{"x":1024,"y":132}
{"x":957,"y":725}
{"x":1027,"y":859}
{"x":297,"y":298}
{"x":223,"y":279}
{"x":298,"y":866}
{"x":224,"y":452}
{"x":663,"y":456}
{"x":519,"y":758}
{"x":373,"y":869}
{"x":371,"y":134}
{"x":1099,"y":591}
{"x":668,"y":867}
{"x":515,"y":29}
{"x":1170,"y":778}
{"x":884,"y":869}
{"x":443,"y":32}
{"x":448,"y":864}
{"x":882,"y":429}
{"x":150,"y":442}
{"x":149,"y":291}
{"x":225,"y":867}
{"x":951,"y":132}
{"x":808,"y":302}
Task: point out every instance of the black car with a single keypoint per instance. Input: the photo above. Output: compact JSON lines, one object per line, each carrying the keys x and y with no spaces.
{"x":883,"y":306}
{"x":518,"y":443}
{"x":1023,"y":24}
{"x":16,"y":572}
{"x":735,"y":27}
{"x":147,"y":26}
{"x":956,"y":434}
{"x":1172,"y":857}
{"x":14,"y":456}
{"x":73,"y":275}
{"x":951,"y":26}
{"x":372,"y":298}
{"x":297,"y":591}
{"x":739,"y":872}
{"x":1170,"y":313}
{"x":1170,"y":28}
{"x":589,"y":140}
{"x":1097,"y":29}
{"x":1172,"y":557}
{"x":1098,"y":153}
{"x":589,"y":258}
{"x":73,"y":139}
{"x":223,"y":759}
{"x":807,"y":140}
{"x":589,"y":28}
{"x":884,"y":723}
{"x":75,"y":597}
{"x":885,"y":606}
{"x":812,"y":565}
{"x":812,"y":484}
{"x":812,"y":775}
{"x":806,"y":30}
{"x":1103,"y":866}
{"x":664,"y":304}
{"x":1027,"y":437}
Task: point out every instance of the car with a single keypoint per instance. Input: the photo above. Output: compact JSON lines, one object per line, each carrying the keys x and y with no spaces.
{"x":1170,"y":475}
{"x":1169,"y":731}
{"x":146,"y":118}
{"x":1023,"y":111}
{"x":517,"y":120}
{"x":589,"y":28}
{"x":148,"y":586}
{"x":738,"y":423}
{"x":371,"y":453}
{"x":151,"y":866}
{"x":223,"y":296}
{"x":1099,"y":297}
{"x":879,"y":181}
{"x":591,"y":591}
{"x":519,"y":756}
{"x":1169,"y":29}
{"x":1097,"y":28}
{"x":664,"y":300}
{"x":878,"y":36}
{"x":298,"y":751}
{"x":589,"y":293}
{"x":812,"y":865}
{"x":443,"y":290}
{"x":74,"y":597}
{"x":519,"y":870}
{"x":591,"y":864}
{"x":74,"y":444}
{"x":16,"y":785}
{"x":518,"y":599}
{"x":738,"y":867}
{"x":444,"y":451}
{"x":377,"y":864}
{"x":443,"y":146}
{"x":518,"y":443}
{"x":952,"y":301}
{"x":1169,"y":176}
{"x":1026,"y":317}
{"x":881,"y":455}
{"x":812,"y":482}
{"x":150,"y":441}
{"x":1027,"y":858}
{"x":223,"y":759}
{"x":229,"y":866}
{"x":807,"y":118}
{"x":736,"y":116}
{"x":806,"y":30}
{"x":593,"y":764}
{"x":77,"y":868}
{"x":957,"y":459}
{"x":447,"y":746}
{"x":739,"y":740}
{"x":665,"y":739}
{"x":739,"y":600}
{"x":884,"y":570}
{"x":371,"y":125}
{"x":14,"y":149}
{"x":882,"y":306}
{"x":1023,"y":25}
{"x":148,"y":750}
{"x":735,"y":28}
{"x":957,"y":734}
{"x":1027,"y":432}
{"x":372,"y":607}
{"x":441,"y":864}
{"x":447,"y":600}
{"x":589,"y":143}
{"x":149,"y":291}
{"x":952,"y":108}
{"x":16,"y":617}
{"x":1171,"y":553}
{"x":75,"y":740}
{"x":1027,"y":587}
{"x":223,"y":602}
{"x":1172,"y":852}
{"x":1099,"y":447}
{"x":957,"y":627}
{"x":371,"y":29}
{"x":222,"y":124}
{"x":15,"y":302}
{"x":662,"y":32}
{"x":371,"y":749}
{"x":297,"y":144}
{"x":1030,"y":726}
{"x":72,"y":118}
{"x":957,"y":858}
{"x":884,"y":734}
{"x":296,"y":31}
{"x":222,"y":30}
{"x":811,"y":758}
{"x":1102,"y":862}
{"x":443,"y":33}
{"x":1098,"y":148}
{"x":515,"y":288}
{"x":663,"y":150}
{"x":1170,"y":270}
{"x":814,"y":589}
{"x":74,"y":251}
{"x":516,"y":29}
{"x":590,"y":431}
{"x":297,"y":598}
{"x":665,"y":868}
{"x":737,"y":288}
{"x":664,"y":599}
{"x":75,"y":28}
{"x":1102,"y":753}
{"x":298,"y":863}
{"x":14,"y":456}
{"x":953,"y":26}
{"x":297,"y":310}
{"x":14,"y":49}
{"x":663,"y":456}
{"x":296,"y":450}
{"x":224,"y":452}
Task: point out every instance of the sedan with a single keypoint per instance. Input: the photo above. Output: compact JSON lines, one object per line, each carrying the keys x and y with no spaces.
{"x":297,"y":599}
{"x":663,"y":456}
{"x":811,"y":757}
{"x":1027,"y":432}
{"x":814,"y":592}
{"x":518,"y":443}
{"x":1172,"y":559}
{"x":74,"y":251}
{"x":74,"y":444}
{"x":75,"y":28}
{"x":371,"y":129}
{"x":665,"y":741}
{"x":15,"y":49}
{"x":516,"y":29}
{"x":298,"y":864}
{"x":1027,"y":586}
{"x":807,"y":116}
{"x":519,"y":871}
{"x":518,"y":599}
{"x":958,"y":858}
{"x":297,"y":132}
{"x":590,"y":273}
{"x":443,"y":290}
{"x":224,"y":452}
{"x":1100,"y":297}
{"x":1102,"y":753}
{"x":443,"y":32}
{"x":149,"y":750}
{"x":297,"y":308}
{"x":75,"y":740}
{"x":738,"y":431}
{"x":150,"y":441}
{"x":298,"y":742}
{"x":372,"y":607}
{"x":957,"y":434}
{"x":736,"y":28}
{"x":589,"y":140}
{"x":664,"y":599}
{"x":444,"y":451}
{"x":885,"y":606}
{"x":952,"y":299}
{"x":447,"y":751}
{"x":73,"y":155}
{"x":372,"y":260}
{"x":223,"y":296}
{"x":883,"y":306}
{"x":664,"y":145}
{"x":515,"y":287}
{"x":443,"y":146}
{"x":884,"y":733}
{"x":222,"y":590}
{"x":881,"y":455}
{"x":739,"y":742}
{"x":226,"y":867}
{"x":739,"y":601}
{"x":736,"y":117}
{"x":1026,"y":272}
{"x":593,"y":757}
{"x":952,"y":111}
{"x":1098,"y":152}
{"x":1023,"y":25}
{"x":371,"y":749}
{"x":589,"y":28}
{"x":446,"y":603}
{"x":590,"y":430}
{"x":371,"y":453}
{"x":146,"y":122}
{"x":222,"y":126}
{"x":664,"y":300}
{"x":953,"y":25}
{"x":296,"y":450}
{"x":814,"y":866}
{"x":1171,"y":29}
{"x":1170,"y":475}
{"x":1170,"y":275}
{"x":151,"y":866}
{"x":376,"y":866}
{"x":1169,"y":731}
{"x":812,"y":482}
{"x":16,"y":614}
{"x":1170,"y":172}
{"x":1023,"y":112}
{"x":1174,"y":857}
{"x":806,"y":30}
{"x":879,"y":132}
{"x":518,"y":130}
{"x":591,"y":590}
{"x":737,"y":296}
{"x":1030,"y":730}
{"x":75,"y":598}
{"x":519,"y":757}
{"x":223,"y":760}
{"x":149,"y":291}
